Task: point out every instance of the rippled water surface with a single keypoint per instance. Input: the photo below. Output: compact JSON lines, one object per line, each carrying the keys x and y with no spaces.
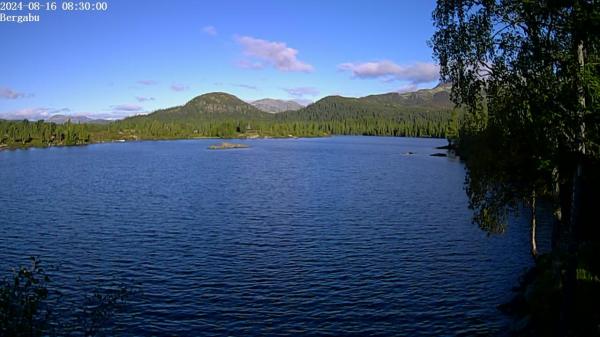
{"x":342,"y":236}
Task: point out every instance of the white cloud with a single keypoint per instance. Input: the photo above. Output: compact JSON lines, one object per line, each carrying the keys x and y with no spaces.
{"x":246,"y":86}
{"x":179,"y":87}
{"x":143,"y":98}
{"x":209,"y":30}
{"x":388,"y":71}
{"x":32,"y":113}
{"x":147,"y":82}
{"x":127,"y":108}
{"x":276,"y":54}
{"x":43,"y":113}
{"x":302,"y":91}
{"x":9,"y":93}
{"x":245,"y":64}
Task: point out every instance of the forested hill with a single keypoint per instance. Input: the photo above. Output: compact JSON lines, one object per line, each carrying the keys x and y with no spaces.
{"x":424,"y":113}
{"x":211,"y":106}
{"x":433,"y":99}
{"x":423,"y":104}
{"x":426,"y":104}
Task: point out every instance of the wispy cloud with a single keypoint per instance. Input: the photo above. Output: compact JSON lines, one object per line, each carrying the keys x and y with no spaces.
{"x":8,"y":93}
{"x":276,"y":54}
{"x":179,"y":87}
{"x":302,"y":91}
{"x":60,"y":111}
{"x":246,"y":86}
{"x":144,"y":99}
{"x":389,"y":71}
{"x":245,"y":64}
{"x":30,"y":113}
{"x":111,"y":115}
{"x":209,"y":30}
{"x":44,"y":113}
{"x":126,"y":108}
{"x":147,"y":82}
{"x":36,"y":113}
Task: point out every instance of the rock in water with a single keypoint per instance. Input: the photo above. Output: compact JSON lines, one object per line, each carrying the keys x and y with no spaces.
{"x":226,"y":146}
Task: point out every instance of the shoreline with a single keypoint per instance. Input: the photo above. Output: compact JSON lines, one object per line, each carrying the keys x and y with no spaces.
{"x":4,"y":147}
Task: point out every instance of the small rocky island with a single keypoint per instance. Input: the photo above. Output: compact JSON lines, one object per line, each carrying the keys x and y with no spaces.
{"x":227,"y":146}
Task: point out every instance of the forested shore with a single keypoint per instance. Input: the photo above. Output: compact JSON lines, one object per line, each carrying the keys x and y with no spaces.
{"x":423,"y":113}
{"x":527,"y":74}
{"x":23,"y":134}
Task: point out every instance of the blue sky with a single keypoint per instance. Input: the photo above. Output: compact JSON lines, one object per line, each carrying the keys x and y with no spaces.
{"x":140,"y":55}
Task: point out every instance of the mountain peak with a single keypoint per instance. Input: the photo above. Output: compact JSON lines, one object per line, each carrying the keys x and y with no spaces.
{"x":216,"y":98}
{"x":209,"y":106}
{"x":77,"y":119}
{"x":223,"y":106}
{"x":276,"y":105}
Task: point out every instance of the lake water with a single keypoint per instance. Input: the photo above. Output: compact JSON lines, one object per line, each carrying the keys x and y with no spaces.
{"x":341,"y":236}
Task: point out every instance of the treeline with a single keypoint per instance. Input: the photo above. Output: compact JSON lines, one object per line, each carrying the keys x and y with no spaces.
{"x":528,"y":75}
{"x":223,"y":115}
{"x":25,"y":133}
{"x":417,"y":127}
{"x":331,"y":120}
{"x":424,"y":113}
{"x":367,"y":116}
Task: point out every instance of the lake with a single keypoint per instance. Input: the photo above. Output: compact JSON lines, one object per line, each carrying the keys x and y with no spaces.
{"x":340,"y":236}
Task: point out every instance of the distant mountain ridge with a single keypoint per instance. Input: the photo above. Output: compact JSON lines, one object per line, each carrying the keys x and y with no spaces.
{"x":276,"y":105}
{"x":437,"y":97}
{"x":423,"y":113}
{"x":224,"y":106}
{"x":210,"y":106}
{"x":394,"y":106}
{"x":61,"y":119}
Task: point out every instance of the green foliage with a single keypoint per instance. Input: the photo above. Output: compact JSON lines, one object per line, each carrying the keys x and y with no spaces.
{"x":22,"y":302}
{"x":527,"y":74}
{"x":425,"y":113}
{"x":30,"y":306}
{"x":25,"y":133}
{"x":513,"y":65}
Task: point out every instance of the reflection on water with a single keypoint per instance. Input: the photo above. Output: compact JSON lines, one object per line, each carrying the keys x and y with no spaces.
{"x":331,"y":236}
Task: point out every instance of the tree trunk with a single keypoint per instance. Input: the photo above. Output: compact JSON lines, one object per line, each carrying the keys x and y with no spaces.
{"x":580,"y":143}
{"x":570,"y":277}
{"x":558,"y":213}
{"x":534,"y":251}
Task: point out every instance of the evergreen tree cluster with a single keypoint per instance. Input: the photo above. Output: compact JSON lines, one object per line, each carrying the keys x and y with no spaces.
{"x":527,"y":74}
{"x":426,"y":113}
{"x":25,"y":133}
